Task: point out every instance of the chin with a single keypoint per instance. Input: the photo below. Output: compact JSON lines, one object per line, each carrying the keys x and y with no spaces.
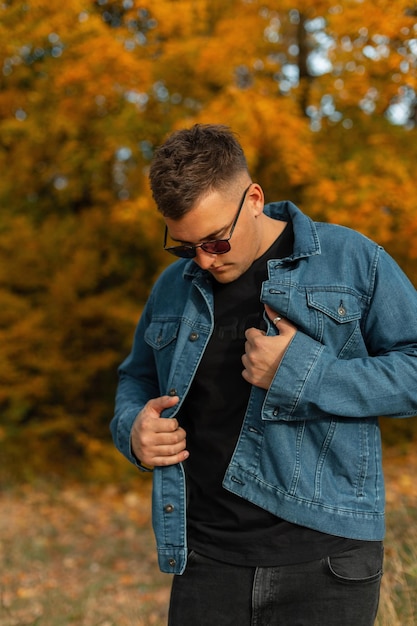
{"x":227,"y":275}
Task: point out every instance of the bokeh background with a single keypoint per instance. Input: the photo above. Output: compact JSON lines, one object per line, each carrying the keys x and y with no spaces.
{"x":323,"y":97}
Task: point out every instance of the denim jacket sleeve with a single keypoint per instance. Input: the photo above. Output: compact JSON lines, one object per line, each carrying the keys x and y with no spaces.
{"x":137,"y":384}
{"x":314,"y":382}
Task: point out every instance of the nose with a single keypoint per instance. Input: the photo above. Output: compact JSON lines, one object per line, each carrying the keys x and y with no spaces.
{"x":204,"y":259}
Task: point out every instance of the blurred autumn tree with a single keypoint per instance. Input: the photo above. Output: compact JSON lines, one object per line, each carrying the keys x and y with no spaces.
{"x":322,"y":94}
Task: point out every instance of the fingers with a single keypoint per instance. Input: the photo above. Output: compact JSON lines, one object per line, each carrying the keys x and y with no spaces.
{"x":158,"y":405}
{"x":155,"y":440}
{"x":166,"y":449}
{"x":261,"y":358}
{"x":273,"y":315}
{"x":281,"y":323}
{"x":263,"y":354}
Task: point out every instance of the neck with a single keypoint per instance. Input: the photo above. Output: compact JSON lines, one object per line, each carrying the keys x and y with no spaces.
{"x":271,"y":231}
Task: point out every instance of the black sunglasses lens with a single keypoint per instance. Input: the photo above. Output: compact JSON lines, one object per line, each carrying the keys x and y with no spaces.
{"x":184,"y":252}
{"x":221,"y":246}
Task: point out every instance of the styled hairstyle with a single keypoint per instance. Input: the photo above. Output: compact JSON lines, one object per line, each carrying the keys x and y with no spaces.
{"x":193,"y":162}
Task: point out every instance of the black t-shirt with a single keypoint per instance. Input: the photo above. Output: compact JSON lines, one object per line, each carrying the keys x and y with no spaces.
{"x":220,"y":524}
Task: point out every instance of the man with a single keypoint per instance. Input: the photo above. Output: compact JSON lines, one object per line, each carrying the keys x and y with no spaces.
{"x":259,"y":368}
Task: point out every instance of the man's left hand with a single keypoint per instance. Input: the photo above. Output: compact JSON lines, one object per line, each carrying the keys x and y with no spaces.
{"x":263,"y":354}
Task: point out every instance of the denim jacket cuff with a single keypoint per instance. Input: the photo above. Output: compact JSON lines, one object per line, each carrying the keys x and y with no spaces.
{"x":284,"y":395}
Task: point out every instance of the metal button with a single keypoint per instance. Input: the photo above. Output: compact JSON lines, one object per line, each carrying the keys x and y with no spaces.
{"x":275,"y":412}
{"x":172,"y":392}
{"x":169,"y":508}
{"x":193,"y":337}
{"x":172,"y":562}
{"x":341,"y":310}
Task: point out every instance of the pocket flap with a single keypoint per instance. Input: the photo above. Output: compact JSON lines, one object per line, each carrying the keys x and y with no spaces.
{"x":160,"y":333}
{"x":341,"y":306}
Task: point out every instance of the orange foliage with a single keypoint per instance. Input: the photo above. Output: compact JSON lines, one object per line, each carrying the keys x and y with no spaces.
{"x":88,"y":89}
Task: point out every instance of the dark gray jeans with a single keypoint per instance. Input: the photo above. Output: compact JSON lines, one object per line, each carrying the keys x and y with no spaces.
{"x":341,"y":590}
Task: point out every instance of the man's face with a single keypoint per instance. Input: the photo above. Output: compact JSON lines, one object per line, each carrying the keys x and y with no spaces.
{"x":212,"y":218}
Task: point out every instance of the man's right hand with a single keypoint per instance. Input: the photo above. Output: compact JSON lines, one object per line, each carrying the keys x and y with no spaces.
{"x":156,"y":440}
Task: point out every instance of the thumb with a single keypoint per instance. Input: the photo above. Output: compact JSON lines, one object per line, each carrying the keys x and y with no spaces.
{"x":162,"y":403}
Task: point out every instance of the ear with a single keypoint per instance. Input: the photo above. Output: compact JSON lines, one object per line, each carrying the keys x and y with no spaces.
{"x":257,"y":199}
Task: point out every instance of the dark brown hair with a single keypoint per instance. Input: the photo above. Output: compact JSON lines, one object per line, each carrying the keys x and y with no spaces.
{"x":191,"y":163}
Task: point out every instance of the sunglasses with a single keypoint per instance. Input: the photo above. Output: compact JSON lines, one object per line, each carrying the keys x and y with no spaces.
{"x":215,"y":246}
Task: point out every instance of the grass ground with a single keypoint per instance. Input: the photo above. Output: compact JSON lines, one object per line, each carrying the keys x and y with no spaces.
{"x":84,"y":555}
{"x":80,"y":556}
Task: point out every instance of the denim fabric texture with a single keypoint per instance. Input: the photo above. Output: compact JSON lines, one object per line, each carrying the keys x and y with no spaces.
{"x":309,"y":450}
{"x":340,"y":590}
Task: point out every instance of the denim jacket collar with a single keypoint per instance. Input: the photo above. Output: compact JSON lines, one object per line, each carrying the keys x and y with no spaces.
{"x":306,"y":239}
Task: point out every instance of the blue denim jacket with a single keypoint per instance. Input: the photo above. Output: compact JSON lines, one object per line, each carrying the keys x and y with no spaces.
{"x":309,"y":449}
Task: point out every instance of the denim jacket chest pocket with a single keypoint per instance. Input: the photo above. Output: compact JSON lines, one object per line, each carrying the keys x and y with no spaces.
{"x":161,"y":335}
{"x":336,"y":315}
